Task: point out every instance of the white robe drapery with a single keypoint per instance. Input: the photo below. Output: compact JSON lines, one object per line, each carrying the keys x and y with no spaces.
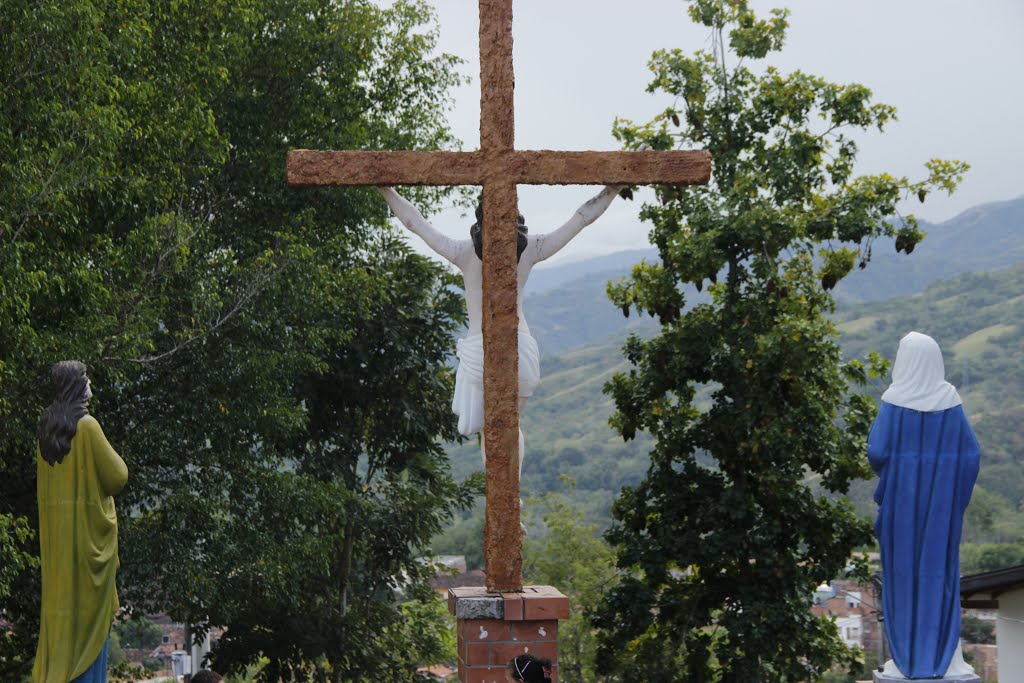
{"x":468,"y":402}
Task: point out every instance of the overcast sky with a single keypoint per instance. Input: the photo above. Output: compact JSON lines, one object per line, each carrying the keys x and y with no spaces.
{"x":954,"y":71}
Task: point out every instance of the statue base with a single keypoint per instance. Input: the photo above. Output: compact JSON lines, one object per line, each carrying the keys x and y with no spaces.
{"x":879,"y":677}
{"x":495,"y":627}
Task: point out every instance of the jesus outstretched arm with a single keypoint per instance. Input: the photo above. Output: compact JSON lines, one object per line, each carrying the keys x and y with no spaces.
{"x":412,"y":219}
{"x":546,"y":246}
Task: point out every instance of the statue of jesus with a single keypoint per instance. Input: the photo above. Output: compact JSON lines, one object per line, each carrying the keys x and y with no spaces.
{"x":467,"y":256}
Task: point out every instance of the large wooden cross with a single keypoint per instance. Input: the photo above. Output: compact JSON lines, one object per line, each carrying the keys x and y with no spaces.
{"x":498,"y":167}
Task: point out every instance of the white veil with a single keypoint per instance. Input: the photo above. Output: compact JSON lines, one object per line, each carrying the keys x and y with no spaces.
{"x":919,"y":377}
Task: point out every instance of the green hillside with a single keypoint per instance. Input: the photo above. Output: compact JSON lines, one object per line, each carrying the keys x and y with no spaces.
{"x":978,"y":319}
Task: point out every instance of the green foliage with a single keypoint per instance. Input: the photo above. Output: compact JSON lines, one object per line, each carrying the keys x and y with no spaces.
{"x":251,"y":673}
{"x":988,"y":557}
{"x":139,"y":633}
{"x":425,"y":636}
{"x":115,"y":653}
{"x":14,"y":534}
{"x":151,"y":664}
{"x":271,"y":363}
{"x":125,"y":672}
{"x":724,"y":541}
{"x":464,"y":537}
{"x":975,"y":630}
{"x":570,"y":555}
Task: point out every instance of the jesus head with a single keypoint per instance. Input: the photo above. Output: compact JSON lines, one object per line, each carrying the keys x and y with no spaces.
{"x":477,"y":229}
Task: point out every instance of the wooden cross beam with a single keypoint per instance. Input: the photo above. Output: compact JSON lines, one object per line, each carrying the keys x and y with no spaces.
{"x":498,"y":167}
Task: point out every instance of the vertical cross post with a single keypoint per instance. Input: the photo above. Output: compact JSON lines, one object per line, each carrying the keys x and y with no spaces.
{"x":502,"y":536}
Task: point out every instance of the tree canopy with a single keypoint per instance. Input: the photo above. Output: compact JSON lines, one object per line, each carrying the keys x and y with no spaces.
{"x":272,"y":364}
{"x":723,"y":541}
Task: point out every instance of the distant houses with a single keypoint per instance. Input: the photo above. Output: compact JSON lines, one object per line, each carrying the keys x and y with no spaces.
{"x":175,"y":653}
{"x":853,"y":608}
{"x":453,"y":574}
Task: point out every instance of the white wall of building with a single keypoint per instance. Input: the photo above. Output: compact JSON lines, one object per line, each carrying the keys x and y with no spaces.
{"x":851,"y":631}
{"x":198,"y":652}
{"x":1010,"y":636}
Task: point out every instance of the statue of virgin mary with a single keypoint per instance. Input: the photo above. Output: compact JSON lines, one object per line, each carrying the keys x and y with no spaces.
{"x":927,"y":459}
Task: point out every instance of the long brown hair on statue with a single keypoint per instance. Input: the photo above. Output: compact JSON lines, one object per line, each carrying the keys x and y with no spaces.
{"x":59,"y":423}
{"x":476,"y":234}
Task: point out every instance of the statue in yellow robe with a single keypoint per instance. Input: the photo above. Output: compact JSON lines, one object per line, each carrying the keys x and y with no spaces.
{"x":78,"y":475}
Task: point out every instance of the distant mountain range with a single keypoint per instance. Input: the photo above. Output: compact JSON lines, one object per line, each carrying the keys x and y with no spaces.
{"x":545,"y":278}
{"x":567,"y":307}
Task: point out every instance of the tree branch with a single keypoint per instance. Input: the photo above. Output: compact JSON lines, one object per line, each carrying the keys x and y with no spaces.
{"x":261,"y":279}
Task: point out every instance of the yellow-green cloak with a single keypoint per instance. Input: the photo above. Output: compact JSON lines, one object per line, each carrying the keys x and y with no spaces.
{"x":78,"y":549}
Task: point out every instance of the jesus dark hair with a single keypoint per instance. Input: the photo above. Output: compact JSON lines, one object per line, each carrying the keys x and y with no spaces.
{"x":530,"y":669}
{"x":59,"y":422}
{"x":476,"y":234}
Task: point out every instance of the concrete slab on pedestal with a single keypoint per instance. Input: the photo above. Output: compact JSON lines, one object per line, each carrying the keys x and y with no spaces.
{"x":480,"y":608}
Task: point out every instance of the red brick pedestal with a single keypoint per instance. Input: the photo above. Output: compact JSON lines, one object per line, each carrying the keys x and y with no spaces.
{"x":495,"y":627}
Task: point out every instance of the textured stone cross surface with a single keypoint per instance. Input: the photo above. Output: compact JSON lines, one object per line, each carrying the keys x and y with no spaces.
{"x":498,"y":167}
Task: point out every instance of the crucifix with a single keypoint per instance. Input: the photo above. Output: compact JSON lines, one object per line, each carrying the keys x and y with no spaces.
{"x":499,"y":168}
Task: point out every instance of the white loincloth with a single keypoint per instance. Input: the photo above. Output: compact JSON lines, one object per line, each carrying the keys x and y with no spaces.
{"x":468,"y":402}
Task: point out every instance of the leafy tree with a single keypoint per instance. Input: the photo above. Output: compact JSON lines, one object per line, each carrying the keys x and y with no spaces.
{"x":426,"y":635}
{"x":139,"y":633}
{"x":975,"y":630}
{"x":464,"y":537}
{"x":723,"y":542}
{"x":988,"y":557}
{"x":327,"y":541}
{"x":151,"y":664}
{"x":125,"y":672}
{"x":115,"y":652}
{"x":271,"y":363}
{"x":571,"y":556}
{"x":14,"y":533}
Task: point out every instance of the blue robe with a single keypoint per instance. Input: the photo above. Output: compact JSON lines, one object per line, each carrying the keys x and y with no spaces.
{"x":97,"y":673}
{"x":927,"y":464}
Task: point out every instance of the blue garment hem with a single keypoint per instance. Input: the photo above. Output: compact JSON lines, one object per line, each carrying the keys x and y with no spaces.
{"x":97,"y":673}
